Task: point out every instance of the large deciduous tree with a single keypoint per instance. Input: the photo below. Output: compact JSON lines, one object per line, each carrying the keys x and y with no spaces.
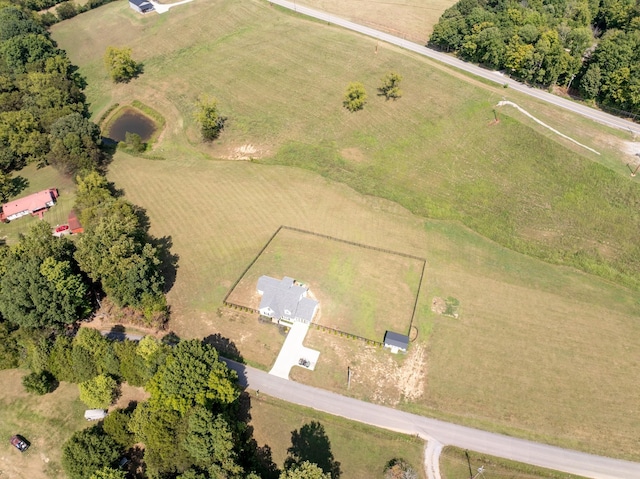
{"x":99,"y":392}
{"x":390,"y":87}
{"x":120,"y":64}
{"x":355,"y":97}
{"x":193,"y":375}
{"x":88,"y":451}
{"x":208,"y":117}
{"x":74,"y":144}
{"x":304,"y":470}
{"x":39,"y":283}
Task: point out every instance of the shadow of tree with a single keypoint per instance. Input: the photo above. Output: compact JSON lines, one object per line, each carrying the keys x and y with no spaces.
{"x":225,"y":347}
{"x":18,"y":185}
{"x":310,"y":443}
{"x":169,"y":260}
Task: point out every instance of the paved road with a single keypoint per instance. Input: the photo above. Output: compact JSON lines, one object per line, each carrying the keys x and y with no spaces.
{"x":597,"y":115}
{"x":574,"y":462}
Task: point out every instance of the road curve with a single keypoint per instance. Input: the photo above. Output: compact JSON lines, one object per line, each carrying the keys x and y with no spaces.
{"x":588,"y":112}
{"x":587,"y":465}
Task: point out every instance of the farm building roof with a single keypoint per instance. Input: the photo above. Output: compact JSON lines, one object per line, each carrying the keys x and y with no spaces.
{"x":31,"y":203}
{"x":74,"y":222}
{"x":396,"y":339}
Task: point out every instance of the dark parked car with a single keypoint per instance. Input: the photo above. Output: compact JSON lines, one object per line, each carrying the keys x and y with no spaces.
{"x":19,"y":443}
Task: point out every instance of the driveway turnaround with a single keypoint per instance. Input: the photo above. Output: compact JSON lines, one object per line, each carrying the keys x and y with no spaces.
{"x":543,"y":455}
{"x":293,"y":353}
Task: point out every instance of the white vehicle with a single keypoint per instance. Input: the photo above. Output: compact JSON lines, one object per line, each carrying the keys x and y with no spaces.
{"x":95,"y":414}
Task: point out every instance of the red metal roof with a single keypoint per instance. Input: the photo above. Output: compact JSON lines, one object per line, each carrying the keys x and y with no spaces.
{"x":74,"y":222}
{"x":31,"y":203}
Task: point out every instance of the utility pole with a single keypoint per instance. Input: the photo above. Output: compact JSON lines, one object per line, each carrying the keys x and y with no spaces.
{"x":348,"y":377}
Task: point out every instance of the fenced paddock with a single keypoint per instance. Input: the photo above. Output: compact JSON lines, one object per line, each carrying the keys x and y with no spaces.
{"x":363,"y":290}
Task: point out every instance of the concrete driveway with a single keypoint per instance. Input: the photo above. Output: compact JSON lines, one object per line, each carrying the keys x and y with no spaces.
{"x":293,"y":350}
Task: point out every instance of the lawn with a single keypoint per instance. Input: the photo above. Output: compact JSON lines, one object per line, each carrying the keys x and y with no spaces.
{"x":362,"y":450}
{"x":361,"y":291}
{"x":45,"y":421}
{"x":34,"y":179}
{"x":454,"y":465}
{"x":539,"y":351}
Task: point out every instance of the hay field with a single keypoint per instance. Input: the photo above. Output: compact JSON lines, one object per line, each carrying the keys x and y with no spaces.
{"x":360,"y":291}
{"x":410,"y":19}
{"x":540,"y":351}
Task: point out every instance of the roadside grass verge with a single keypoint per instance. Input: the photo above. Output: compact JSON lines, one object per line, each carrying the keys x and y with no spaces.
{"x":362,"y":450}
{"x":454,"y":465}
{"x":45,"y":421}
{"x":361,"y":291}
{"x":38,"y":179}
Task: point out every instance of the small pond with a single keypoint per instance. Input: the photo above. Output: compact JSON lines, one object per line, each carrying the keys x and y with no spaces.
{"x":132,"y":121}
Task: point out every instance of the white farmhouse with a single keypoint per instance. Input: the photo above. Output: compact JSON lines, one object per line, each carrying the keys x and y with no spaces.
{"x":285,"y":300}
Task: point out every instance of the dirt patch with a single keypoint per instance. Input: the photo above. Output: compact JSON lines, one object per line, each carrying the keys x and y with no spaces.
{"x":245,"y":152}
{"x":353,"y":154}
{"x":129,"y":394}
{"x":631,"y":147}
{"x":438,"y":305}
{"x":376,"y":374}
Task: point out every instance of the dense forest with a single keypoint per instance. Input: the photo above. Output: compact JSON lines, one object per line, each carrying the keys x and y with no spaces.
{"x":589,"y":45}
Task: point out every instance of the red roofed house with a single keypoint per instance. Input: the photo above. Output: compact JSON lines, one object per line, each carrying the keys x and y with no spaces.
{"x":35,"y":204}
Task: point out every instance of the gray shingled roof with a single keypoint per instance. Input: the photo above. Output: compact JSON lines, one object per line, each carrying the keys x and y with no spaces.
{"x":396,"y":339}
{"x":285,"y":298}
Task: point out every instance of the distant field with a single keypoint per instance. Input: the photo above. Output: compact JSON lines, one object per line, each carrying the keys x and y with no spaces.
{"x":361,"y":291}
{"x":540,"y":351}
{"x":38,"y":179}
{"x":410,"y":19}
{"x":454,"y":465}
{"x":361,"y":450}
{"x":45,"y":421}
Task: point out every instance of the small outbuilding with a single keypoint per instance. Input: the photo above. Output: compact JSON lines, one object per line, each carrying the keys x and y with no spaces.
{"x":95,"y":414}
{"x":74,"y":223}
{"x":396,"y":342}
{"x":141,"y":6}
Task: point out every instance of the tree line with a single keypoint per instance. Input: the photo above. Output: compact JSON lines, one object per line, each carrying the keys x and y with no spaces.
{"x":591,"y":45}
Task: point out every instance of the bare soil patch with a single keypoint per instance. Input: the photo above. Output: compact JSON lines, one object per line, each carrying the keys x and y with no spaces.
{"x":353,"y":154}
{"x":377,"y":375}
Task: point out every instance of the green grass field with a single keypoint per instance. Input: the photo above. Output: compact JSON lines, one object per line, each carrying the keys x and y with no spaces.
{"x":540,"y":351}
{"x":362,"y":450}
{"x":361,"y":291}
{"x":454,"y":465}
{"x":45,"y":421}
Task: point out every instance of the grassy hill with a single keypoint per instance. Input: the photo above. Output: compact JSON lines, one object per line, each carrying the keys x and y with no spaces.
{"x":532,"y":352}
